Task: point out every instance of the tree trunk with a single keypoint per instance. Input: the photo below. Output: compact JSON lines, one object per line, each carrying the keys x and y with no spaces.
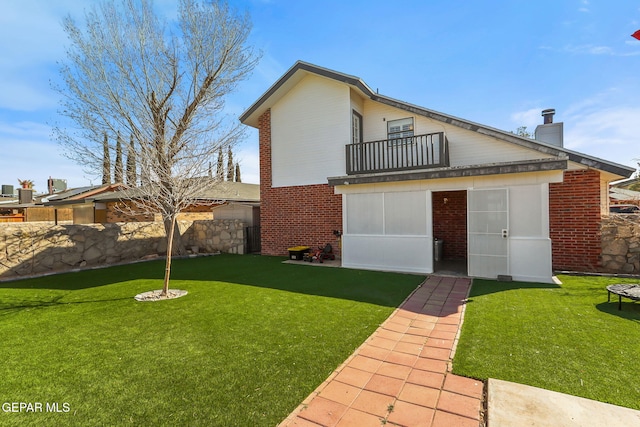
{"x":177,"y":248}
{"x":167,"y":265}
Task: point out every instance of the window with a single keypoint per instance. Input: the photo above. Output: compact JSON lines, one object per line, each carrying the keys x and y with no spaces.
{"x":400,"y":131}
{"x":356,"y":127}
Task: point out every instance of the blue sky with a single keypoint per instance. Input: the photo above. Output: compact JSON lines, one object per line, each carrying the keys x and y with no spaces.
{"x":498,"y":63}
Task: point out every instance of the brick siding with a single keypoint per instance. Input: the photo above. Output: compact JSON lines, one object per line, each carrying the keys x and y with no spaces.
{"x":292,"y":216}
{"x":307,"y":215}
{"x":450,"y":222}
{"x":574,"y":221}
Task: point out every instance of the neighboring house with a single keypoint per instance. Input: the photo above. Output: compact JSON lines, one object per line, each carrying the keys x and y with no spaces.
{"x":29,"y":208}
{"x":623,"y":196}
{"x":229,"y":200}
{"x":626,"y":191}
{"x":11,"y":210}
{"x":632,"y":183}
{"x":337,"y":157}
{"x":80,"y":201}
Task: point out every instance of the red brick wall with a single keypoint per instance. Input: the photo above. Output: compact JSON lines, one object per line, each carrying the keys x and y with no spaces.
{"x":292,"y":216}
{"x":574,"y":221}
{"x":450,"y":222}
{"x":307,"y":215}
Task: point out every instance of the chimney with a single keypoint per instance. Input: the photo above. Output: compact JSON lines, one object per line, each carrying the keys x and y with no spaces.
{"x":549,"y":132}
{"x":548,"y":115}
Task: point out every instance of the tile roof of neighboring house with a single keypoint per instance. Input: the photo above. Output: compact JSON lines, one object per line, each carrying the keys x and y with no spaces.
{"x":79,"y":194}
{"x":8,"y":200}
{"x":224,"y":191}
{"x":234,"y":191}
{"x":616,"y":193}
{"x":301,"y":69}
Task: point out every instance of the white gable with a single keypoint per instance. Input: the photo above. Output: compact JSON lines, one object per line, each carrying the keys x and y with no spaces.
{"x":465,"y":147}
{"x":309,"y":93}
{"x":310,"y":127}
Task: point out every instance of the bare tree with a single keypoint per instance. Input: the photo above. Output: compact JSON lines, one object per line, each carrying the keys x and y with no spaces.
{"x":522,"y":131}
{"x":165,"y":83}
{"x":636,"y":185}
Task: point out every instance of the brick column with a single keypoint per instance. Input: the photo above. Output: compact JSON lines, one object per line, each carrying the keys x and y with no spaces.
{"x":574,"y":221}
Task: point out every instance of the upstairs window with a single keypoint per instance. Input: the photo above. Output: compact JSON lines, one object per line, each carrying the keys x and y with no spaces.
{"x":356,"y":127}
{"x":400,"y":131}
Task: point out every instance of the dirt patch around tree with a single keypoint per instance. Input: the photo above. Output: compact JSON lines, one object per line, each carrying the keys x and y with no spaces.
{"x":157,"y":295}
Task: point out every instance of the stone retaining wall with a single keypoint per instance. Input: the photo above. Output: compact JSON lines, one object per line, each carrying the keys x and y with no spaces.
{"x":36,"y":248}
{"x":621,"y":244}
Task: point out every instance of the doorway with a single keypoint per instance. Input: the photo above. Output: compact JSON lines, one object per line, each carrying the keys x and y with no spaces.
{"x":489,"y":232}
{"x":450,"y":225}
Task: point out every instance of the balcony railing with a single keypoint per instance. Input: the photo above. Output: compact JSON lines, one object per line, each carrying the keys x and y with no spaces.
{"x":417,"y":152}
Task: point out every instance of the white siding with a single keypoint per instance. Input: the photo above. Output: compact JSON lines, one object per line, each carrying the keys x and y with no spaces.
{"x":357,"y":103}
{"x":452,"y":184}
{"x":604,"y":196}
{"x":310,"y":127}
{"x":465,"y":147}
{"x":529,"y":245}
{"x":396,"y":240}
{"x":411,"y":254}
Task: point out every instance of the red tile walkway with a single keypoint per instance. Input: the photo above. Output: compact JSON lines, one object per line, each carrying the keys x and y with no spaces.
{"x":401,"y":375}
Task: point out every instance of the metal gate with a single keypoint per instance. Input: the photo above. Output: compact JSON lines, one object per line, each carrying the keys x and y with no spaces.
{"x":253,"y":239}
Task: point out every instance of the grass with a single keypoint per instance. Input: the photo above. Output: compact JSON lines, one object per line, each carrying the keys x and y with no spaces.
{"x":565,"y":338}
{"x":248,"y":343}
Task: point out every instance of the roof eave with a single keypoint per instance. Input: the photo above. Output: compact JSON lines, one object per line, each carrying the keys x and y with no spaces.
{"x":251,"y":115}
{"x":528,"y":166}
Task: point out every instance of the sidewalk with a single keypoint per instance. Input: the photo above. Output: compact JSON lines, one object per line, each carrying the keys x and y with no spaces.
{"x":401,"y":375}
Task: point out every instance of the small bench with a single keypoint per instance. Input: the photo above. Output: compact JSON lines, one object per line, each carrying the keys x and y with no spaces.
{"x":627,"y":291}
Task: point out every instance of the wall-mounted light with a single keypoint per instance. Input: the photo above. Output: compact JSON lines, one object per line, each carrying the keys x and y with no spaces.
{"x":445,"y":200}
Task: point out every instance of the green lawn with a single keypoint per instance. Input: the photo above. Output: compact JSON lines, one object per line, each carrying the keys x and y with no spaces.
{"x":565,"y":338}
{"x":248,"y":343}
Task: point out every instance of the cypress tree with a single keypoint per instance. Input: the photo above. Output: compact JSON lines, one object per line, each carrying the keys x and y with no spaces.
{"x":220,"y":166}
{"x":117,"y":173}
{"x":131,"y":163}
{"x":238,"y":173}
{"x":106,"y":161}
{"x":230,"y":166}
